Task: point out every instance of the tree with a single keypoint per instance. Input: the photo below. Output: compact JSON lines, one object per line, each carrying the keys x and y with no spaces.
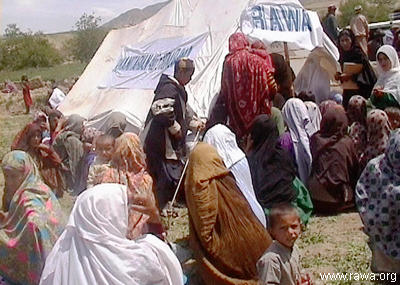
{"x":88,"y":37}
{"x":374,"y":10}
{"x":24,"y":49}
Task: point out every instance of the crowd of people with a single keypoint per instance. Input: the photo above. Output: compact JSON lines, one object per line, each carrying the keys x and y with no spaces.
{"x":268,"y":159}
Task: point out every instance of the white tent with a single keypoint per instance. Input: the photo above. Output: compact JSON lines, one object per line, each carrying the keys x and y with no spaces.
{"x":94,"y":97}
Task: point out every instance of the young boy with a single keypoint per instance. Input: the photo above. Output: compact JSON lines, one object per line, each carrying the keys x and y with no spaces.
{"x":280,"y":264}
{"x":104,"y":149}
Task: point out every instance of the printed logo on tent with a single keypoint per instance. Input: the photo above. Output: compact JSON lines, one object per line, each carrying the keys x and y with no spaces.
{"x":141,"y":66}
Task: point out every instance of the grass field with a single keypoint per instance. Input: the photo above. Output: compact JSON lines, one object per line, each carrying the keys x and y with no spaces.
{"x":57,"y":73}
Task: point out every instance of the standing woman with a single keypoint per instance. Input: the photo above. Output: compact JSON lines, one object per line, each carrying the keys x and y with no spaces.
{"x":31,"y":222}
{"x":27,"y":93}
{"x":386,"y":91}
{"x":351,"y":53}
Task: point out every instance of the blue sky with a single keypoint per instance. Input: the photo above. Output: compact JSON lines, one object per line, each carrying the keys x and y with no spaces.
{"x":50,"y":16}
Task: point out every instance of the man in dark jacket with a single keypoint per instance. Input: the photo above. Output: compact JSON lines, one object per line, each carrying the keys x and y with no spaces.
{"x":166,"y":126}
{"x":331,"y":25}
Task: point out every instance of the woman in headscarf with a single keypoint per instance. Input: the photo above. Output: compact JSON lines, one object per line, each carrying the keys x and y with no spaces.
{"x":335,"y":167}
{"x":226,"y":237}
{"x":115,"y":124}
{"x":386,"y":92}
{"x":393,"y":114}
{"x":247,"y":87}
{"x":224,"y":140}
{"x":70,"y":149}
{"x":378,"y":132}
{"x":273,"y":171}
{"x":88,"y":138}
{"x":326,"y":105}
{"x":298,"y":121}
{"x":128,"y":167}
{"x":94,"y":248}
{"x":315,"y":116}
{"x":40,"y":120}
{"x":31,"y":222}
{"x":377,"y":197}
{"x":47,"y":160}
{"x":357,"y":115}
{"x":351,"y":53}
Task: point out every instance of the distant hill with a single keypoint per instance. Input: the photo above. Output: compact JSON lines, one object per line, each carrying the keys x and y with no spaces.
{"x":134,"y":16}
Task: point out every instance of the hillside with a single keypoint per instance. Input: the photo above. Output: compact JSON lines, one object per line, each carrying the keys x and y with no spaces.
{"x":134,"y":16}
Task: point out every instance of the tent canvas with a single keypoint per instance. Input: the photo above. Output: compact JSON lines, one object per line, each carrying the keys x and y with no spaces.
{"x":178,"y":19}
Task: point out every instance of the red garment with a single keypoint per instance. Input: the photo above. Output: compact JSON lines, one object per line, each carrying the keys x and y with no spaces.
{"x":27,"y":95}
{"x":260,"y":49}
{"x":247,"y":85}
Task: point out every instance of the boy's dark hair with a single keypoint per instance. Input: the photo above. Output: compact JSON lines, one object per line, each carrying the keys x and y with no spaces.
{"x":183,"y":64}
{"x":278,"y":211}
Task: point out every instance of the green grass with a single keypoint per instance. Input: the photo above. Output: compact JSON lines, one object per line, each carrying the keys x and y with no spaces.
{"x":57,"y":73}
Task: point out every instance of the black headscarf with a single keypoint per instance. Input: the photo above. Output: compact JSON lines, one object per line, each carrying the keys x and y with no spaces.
{"x":367,"y":79}
{"x":271,"y":167}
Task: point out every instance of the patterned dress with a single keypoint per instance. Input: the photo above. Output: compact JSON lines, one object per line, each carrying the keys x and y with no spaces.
{"x":378,"y":199}
{"x":32,"y":224}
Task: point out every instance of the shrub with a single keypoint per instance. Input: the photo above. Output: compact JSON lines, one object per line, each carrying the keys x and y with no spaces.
{"x":20,"y":50}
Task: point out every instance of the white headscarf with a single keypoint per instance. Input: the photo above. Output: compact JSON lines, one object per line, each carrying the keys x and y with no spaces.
{"x":389,"y":80}
{"x":298,"y":121}
{"x":224,"y":140}
{"x":94,"y":249}
{"x":315,"y":116}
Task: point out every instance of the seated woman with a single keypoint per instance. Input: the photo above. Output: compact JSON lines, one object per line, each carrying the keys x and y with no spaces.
{"x":31,"y":222}
{"x":335,"y":168}
{"x":69,"y":147}
{"x":94,"y":248}
{"x":378,"y":131}
{"x":351,"y":54}
{"x":226,"y":237}
{"x":273,"y":171}
{"x":377,"y":197}
{"x":47,"y":160}
{"x":128,"y":167}
{"x":224,"y":140}
{"x":357,"y":115}
{"x":386,"y":92}
{"x":393,"y":114}
{"x":298,"y":121}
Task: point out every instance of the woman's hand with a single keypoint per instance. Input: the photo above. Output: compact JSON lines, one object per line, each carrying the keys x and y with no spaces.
{"x":144,"y":204}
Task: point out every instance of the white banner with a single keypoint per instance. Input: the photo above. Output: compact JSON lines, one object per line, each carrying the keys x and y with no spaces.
{"x":140,"y":67}
{"x":279,"y":22}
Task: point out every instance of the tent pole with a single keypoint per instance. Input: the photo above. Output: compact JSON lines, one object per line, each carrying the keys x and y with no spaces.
{"x":285,"y":46}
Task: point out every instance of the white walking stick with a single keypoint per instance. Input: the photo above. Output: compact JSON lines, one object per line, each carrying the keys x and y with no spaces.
{"x":170,"y":207}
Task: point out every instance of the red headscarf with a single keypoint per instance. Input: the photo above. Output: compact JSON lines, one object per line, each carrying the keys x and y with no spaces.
{"x":260,"y":49}
{"x":247,"y":85}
